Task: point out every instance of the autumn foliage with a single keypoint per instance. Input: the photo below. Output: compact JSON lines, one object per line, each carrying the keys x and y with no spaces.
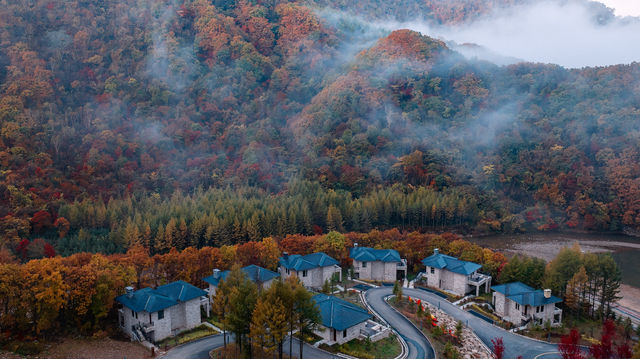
{"x":52,"y":295}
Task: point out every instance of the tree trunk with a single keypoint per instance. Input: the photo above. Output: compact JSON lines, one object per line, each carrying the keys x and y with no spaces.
{"x":301,"y":344}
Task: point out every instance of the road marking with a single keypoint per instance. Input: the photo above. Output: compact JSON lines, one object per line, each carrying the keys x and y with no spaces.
{"x":543,"y":354}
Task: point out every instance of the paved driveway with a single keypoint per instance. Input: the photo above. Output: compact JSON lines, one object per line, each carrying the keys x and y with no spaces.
{"x":419,"y":347}
{"x":515,"y":345}
{"x":200,"y":349}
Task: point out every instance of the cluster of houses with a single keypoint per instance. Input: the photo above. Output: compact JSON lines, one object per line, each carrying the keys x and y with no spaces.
{"x":155,"y":314}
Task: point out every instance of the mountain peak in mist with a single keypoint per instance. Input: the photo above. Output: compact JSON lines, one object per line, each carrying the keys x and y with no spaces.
{"x":405,"y":44}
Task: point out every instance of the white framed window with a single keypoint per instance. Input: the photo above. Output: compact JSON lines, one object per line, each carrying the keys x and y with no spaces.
{"x":304,"y":273}
{"x":433,"y":270}
{"x":517,"y":306}
{"x":364,"y":264}
{"x":161,"y":314}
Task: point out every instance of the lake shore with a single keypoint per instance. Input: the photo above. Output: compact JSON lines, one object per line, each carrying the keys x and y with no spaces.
{"x":547,"y":245}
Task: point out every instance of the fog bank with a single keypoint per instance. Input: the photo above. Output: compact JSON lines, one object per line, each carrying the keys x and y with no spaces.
{"x":572,"y":34}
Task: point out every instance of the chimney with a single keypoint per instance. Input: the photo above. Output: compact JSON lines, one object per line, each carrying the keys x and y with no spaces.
{"x":547,"y":293}
{"x":355,"y":244}
{"x":436,"y":251}
{"x":285,"y":255}
{"x":129,"y":292}
{"x":216,"y":273}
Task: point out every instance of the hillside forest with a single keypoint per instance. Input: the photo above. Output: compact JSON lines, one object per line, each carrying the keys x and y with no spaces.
{"x":208,"y":123}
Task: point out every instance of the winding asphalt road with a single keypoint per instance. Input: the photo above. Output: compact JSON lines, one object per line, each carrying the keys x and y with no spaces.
{"x":515,"y":345}
{"x":418,"y":345}
{"x":200,"y":349}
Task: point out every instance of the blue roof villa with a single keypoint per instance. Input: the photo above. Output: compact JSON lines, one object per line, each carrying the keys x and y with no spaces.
{"x":520,"y":304}
{"x":453,"y":275}
{"x":312,"y":269}
{"x":342,"y":321}
{"x":383,"y":265}
{"x":155,"y":314}
{"x":261,"y":276}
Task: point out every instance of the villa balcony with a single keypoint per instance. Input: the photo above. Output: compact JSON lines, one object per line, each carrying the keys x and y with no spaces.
{"x":478,"y":279}
{"x":148,"y":327}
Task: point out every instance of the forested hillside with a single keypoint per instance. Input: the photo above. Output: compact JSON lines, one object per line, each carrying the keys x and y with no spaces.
{"x":175,"y":123}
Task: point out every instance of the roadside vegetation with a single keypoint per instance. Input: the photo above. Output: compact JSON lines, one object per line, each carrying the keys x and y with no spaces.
{"x":387,"y":348}
{"x":198,"y":332}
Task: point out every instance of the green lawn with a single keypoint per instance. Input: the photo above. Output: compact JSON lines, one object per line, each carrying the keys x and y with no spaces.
{"x":387,"y":348}
{"x":184,"y":337}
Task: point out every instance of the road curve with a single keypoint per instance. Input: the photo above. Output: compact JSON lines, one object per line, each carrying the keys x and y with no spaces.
{"x":515,"y":345}
{"x":199,"y":349}
{"x":418,"y":345}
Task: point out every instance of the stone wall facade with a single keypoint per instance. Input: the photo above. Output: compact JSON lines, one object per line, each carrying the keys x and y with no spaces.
{"x":446,"y":280}
{"x":517,"y":314}
{"x":312,"y":278}
{"x":341,"y":336}
{"x":378,"y":270}
{"x":177,"y":318}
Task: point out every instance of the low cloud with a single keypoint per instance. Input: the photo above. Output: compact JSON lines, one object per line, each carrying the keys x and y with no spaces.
{"x":571,"y":34}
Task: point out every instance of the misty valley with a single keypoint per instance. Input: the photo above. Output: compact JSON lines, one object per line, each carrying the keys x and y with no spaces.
{"x":218,"y":178}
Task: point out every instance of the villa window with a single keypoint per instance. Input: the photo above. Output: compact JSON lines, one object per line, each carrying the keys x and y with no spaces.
{"x":288,"y":271}
{"x":344,"y":333}
{"x":304,"y":273}
{"x":538,"y":309}
{"x":517,"y":306}
{"x":433,"y":270}
{"x":541,"y":308}
{"x":364,"y":264}
{"x":161,"y":314}
{"x":133,"y":314}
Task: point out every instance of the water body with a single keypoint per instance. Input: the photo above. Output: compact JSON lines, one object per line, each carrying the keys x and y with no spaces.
{"x":625,"y":249}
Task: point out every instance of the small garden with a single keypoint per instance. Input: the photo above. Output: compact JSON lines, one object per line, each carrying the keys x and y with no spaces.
{"x":387,"y":348}
{"x":450,"y":339}
{"x":187,"y":336}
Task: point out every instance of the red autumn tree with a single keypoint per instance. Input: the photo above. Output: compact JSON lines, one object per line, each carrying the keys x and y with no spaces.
{"x":607,"y":348}
{"x":498,"y":348}
{"x":569,"y":348}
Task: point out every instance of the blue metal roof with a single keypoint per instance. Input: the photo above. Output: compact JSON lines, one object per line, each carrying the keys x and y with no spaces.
{"x":365,"y":254}
{"x":339,"y":314}
{"x":152,"y":300}
{"x":524,"y":295}
{"x":310,"y":261}
{"x":253,"y":272}
{"x":449,"y":263}
{"x":180,"y":291}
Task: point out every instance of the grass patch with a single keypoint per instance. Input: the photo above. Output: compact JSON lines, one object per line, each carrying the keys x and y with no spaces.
{"x":187,"y":336}
{"x":590,"y":330}
{"x":387,"y":348}
{"x":450,"y":297}
{"x":310,"y":339}
{"x":214,"y":320}
{"x":486,"y":313}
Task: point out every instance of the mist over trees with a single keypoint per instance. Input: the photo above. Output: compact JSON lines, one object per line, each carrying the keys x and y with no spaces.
{"x":116,"y":115}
